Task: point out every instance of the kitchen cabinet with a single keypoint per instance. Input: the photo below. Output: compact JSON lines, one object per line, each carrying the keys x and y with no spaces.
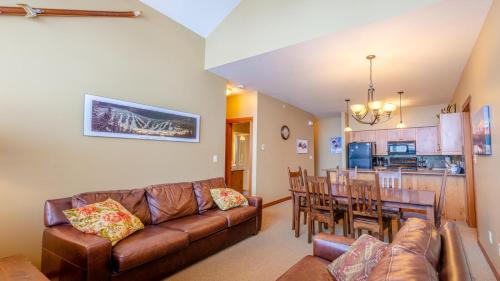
{"x":427,"y":141}
{"x":363,"y":136}
{"x":451,"y":134}
{"x":407,"y":134}
{"x":381,"y":142}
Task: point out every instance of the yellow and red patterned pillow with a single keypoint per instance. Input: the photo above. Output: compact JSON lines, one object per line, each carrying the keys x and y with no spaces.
{"x":108,"y":219}
{"x":227,"y":198}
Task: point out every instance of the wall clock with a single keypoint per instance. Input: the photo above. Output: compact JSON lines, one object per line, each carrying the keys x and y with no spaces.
{"x":285,"y":132}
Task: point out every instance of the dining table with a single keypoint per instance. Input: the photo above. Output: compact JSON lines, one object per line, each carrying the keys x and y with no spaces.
{"x":421,"y":200}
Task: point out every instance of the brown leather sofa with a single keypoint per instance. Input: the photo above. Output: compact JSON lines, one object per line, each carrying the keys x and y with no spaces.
{"x":182,"y":226}
{"x":418,"y":252}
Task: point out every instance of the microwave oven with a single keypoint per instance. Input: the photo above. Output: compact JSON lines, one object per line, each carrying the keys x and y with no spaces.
{"x":401,"y":148}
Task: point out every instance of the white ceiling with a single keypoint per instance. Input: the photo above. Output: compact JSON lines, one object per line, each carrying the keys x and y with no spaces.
{"x":200,"y":16}
{"x":422,"y":52}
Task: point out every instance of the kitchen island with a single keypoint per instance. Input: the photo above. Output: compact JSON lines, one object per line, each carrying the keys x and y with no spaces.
{"x":427,"y":179}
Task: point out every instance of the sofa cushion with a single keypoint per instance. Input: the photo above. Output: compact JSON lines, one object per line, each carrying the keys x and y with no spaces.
{"x":401,"y":264}
{"x":228,"y":198}
{"x":151,"y":243}
{"x":359,"y":260}
{"x":196,"y":226}
{"x":202,"y":192}
{"x":308,"y":268}
{"x":422,"y":237}
{"x":234,"y":216}
{"x":133,"y":200}
{"x":171,"y":201}
{"x":107,"y":219}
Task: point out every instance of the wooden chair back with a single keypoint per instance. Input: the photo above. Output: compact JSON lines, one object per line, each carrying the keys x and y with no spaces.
{"x":390,"y":178}
{"x":342,"y":176}
{"x":364,"y":202}
{"x":318,"y":192}
{"x":296,"y":179}
{"x":441,"y":200}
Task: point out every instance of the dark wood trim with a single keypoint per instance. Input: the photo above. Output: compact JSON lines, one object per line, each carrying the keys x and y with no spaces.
{"x":466,"y":103}
{"x":469,"y":171}
{"x":490,"y":263}
{"x":272,"y":203}
{"x":239,"y":120}
{"x":228,"y":157}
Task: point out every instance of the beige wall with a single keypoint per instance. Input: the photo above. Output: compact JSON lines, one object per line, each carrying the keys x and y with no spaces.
{"x":279,"y":154}
{"x":260,"y":26}
{"x":327,"y":128}
{"x":481,"y":81}
{"x":47,"y":64}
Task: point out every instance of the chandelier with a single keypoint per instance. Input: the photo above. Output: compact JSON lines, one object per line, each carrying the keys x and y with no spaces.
{"x":373,"y":111}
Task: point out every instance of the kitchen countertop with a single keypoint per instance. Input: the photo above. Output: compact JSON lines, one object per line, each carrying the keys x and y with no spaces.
{"x":420,"y":171}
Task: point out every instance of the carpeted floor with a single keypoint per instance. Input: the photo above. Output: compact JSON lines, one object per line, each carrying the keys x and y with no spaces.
{"x":270,"y":253}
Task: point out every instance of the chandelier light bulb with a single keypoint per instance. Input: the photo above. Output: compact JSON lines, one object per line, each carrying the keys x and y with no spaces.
{"x":347,"y":129}
{"x":389,"y":107}
{"x":358,"y":109}
{"x":375,"y":105}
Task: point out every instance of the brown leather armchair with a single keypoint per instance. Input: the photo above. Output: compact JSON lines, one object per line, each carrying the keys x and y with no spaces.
{"x":427,"y":246}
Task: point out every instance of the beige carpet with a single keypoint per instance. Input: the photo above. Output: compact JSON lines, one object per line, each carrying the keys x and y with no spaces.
{"x":270,"y":253}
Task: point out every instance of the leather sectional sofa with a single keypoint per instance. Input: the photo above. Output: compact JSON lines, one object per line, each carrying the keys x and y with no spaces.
{"x":418,"y":252}
{"x":182,"y":226}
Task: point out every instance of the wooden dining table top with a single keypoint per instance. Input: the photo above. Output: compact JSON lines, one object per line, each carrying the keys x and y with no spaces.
{"x":401,"y":196}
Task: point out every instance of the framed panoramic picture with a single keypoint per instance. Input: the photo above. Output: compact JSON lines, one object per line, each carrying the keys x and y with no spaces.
{"x":106,"y":117}
{"x":481,"y":134}
{"x":302,"y":146}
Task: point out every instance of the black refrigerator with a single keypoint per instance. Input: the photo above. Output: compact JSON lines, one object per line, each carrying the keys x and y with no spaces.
{"x":360,"y":154}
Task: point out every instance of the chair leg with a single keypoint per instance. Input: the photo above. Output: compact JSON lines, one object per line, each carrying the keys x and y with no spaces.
{"x":359,"y":233}
{"x":309,"y":230}
{"x":389,"y":231}
{"x":293,"y":211}
{"x":305,"y":217}
{"x":344,"y":226}
{"x":297,"y":224}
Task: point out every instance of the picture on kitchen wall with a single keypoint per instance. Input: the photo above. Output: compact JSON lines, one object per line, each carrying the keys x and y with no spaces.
{"x":481,"y":134}
{"x":106,"y":117}
{"x":336,"y":145}
{"x":302,"y":146}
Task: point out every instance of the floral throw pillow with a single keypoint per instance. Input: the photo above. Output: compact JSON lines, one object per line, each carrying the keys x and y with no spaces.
{"x":227,"y":198}
{"x":108,"y":219}
{"x":357,"y":263}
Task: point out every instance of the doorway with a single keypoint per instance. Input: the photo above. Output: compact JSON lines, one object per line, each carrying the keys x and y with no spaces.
{"x":469,"y":164}
{"x":238,"y":164}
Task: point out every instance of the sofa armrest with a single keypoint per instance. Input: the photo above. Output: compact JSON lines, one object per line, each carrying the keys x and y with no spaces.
{"x":257,"y":203}
{"x":330,"y":247}
{"x":66,"y":251}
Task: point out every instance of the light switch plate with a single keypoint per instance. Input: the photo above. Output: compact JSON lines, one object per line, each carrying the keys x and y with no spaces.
{"x":262,"y":147}
{"x":490,"y":237}
{"x":215,"y":158}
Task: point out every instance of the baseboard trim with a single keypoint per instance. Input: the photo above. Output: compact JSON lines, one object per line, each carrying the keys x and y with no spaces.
{"x":272,"y":203}
{"x":490,"y":263}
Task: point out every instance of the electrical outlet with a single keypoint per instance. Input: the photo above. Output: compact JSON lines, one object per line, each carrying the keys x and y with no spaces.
{"x":490,"y":236}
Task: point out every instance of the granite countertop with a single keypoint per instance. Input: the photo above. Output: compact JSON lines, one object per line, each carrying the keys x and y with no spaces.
{"x":420,"y":171}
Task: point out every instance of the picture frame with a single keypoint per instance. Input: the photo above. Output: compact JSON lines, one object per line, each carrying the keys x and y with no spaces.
{"x":481,"y":132}
{"x":302,"y":146}
{"x":106,"y":117}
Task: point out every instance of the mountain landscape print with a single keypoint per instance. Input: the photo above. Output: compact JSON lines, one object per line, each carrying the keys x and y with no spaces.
{"x":113,"y":118}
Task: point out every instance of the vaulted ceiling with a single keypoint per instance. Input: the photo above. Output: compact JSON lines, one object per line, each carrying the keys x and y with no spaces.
{"x":312,"y":55}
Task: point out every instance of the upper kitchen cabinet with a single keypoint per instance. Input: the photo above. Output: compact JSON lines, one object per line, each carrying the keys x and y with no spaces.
{"x":407,"y":134}
{"x":363,"y":136}
{"x":427,"y":141}
{"x":450,"y":129}
{"x":381,"y":141}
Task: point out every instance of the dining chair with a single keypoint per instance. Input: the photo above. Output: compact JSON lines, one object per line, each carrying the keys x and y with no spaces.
{"x":390,"y":178}
{"x":296,"y":181}
{"x":322,"y":208}
{"x":440,"y":206}
{"x":365,"y":208}
{"x":342,"y":175}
